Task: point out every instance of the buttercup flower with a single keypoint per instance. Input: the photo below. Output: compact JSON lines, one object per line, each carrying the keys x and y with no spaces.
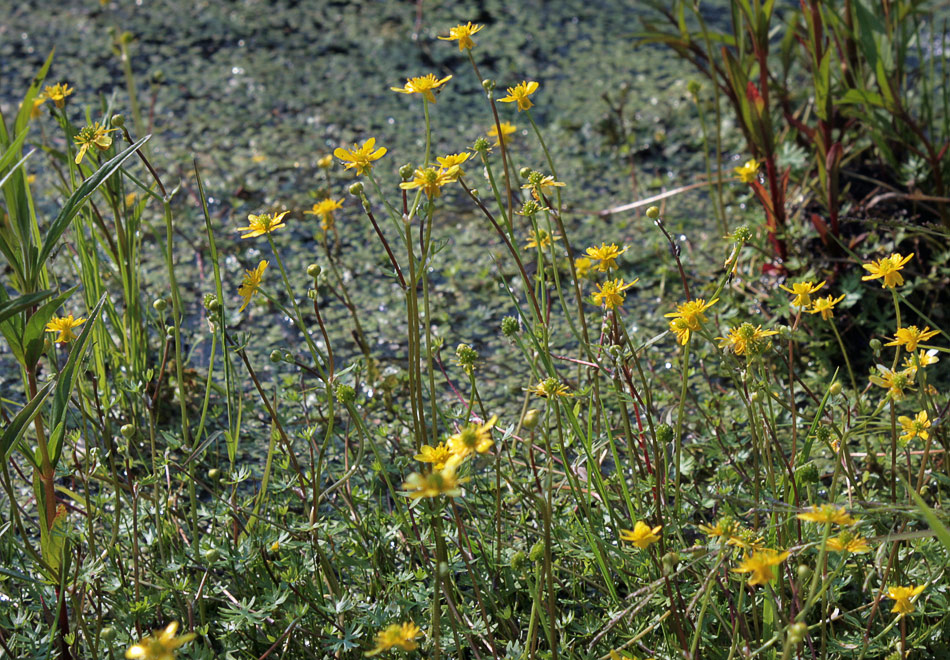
{"x":396,"y":636}
{"x":848,"y":542}
{"x":160,"y":645}
{"x":760,"y":564}
{"x":802,"y":292}
{"x":422,"y":85}
{"x":463,"y":33}
{"x":606,"y":255}
{"x":454,"y":160}
{"x":642,"y":534}
{"x":827,"y":513}
{"x":251,"y":283}
{"x":550,"y":387}
{"x":749,"y":172}
{"x":904,"y":597}
{"x":438,"y":482}
{"x":92,"y":136}
{"x":724,"y":528}
{"x":610,"y":294}
{"x":887,"y":268}
{"x":745,"y":339}
{"x":506,"y":130}
{"x":431,"y":180}
{"x":688,"y":318}
{"x":582,"y":265}
{"x":925,"y":358}
{"x":64,"y":326}
{"x":519,"y":94}
{"x":895,"y":381}
{"x":360,"y":157}
{"x":910,"y":336}
{"x":265,"y":223}
{"x":540,"y":238}
{"x":439,"y":455}
{"x":324,"y":210}
{"x":57,"y":93}
{"x":916,"y":427}
{"x":473,"y":438}
{"x":824,"y":306}
{"x":324,"y":162}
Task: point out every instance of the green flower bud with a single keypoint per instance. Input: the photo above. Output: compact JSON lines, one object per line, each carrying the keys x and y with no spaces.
{"x":803,"y":572}
{"x":693,"y":87}
{"x":117,"y":121}
{"x":488,"y":85}
{"x":835,"y":388}
{"x":170,"y":331}
{"x":876,"y":346}
{"x":536,"y":552}
{"x":107,"y":634}
{"x":314,"y":270}
{"x":405,"y":172}
{"x":797,"y":632}
{"x":211,"y":555}
{"x":214,"y":475}
{"x":345,"y":394}
{"x":356,"y":188}
{"x":664,"y":434}
{"x":127,"y":430}
{"x":276,"y":356}
{"x":653,"y":212}
{"x":531,"y":419}
{"x":524,"y":172}
{"x":160,"y":305}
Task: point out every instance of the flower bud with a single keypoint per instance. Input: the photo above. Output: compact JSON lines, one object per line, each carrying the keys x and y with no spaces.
{"x":803,"y":572}
{"x":797,"y":632}
{"x":117,"y":121}
{"x":835,"y":388}
{"x":876,"y":346}
{"x":356,"y":188}
{"x":653,"y":212}
{"x":211,"y":555}
{"x":160,"y":305}
{"x":524,"y":172}
{"x":107,"y":634}
{"x":127,"y":430}
{"x":664,"y":434}
{"x":325,"y":162}
{"x":314,"y":270}
{"x":170,"y":331}
{"x":275,"y":356}
{"x":530,"y":419}
{"x":405,"y":172}
{"x":214,"y":475}
{"x":488,"y":85}
{"x":693,"y":87}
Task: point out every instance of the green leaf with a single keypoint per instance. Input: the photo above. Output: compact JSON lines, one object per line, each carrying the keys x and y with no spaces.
{"x":14,"y":306}
{"x":938,"y":527}
{"x":76,"y":201}
{"x":53,"y":541}
{"x":14,"y":430}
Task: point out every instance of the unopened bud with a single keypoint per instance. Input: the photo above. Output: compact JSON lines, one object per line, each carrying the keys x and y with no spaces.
{"x":314,"y":270}
{"x":653,"y":212}
{"x":356,"y":188}
{"x":405,"y":172}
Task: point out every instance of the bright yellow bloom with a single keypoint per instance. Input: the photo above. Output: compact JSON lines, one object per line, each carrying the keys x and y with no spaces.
{"x":910,"y":336}
{"x":550,"y":387}
{"x":895,"y":381}
{"x":610,"y":294}
{"x":64,"y":326}
{"x":463,"y":33}
{"x":422,"y":85}
{"x":539,"y":180}
{"x":433,"y":484}
{"x":887,"y":268}
{"x":827,"y":513}
{"x":925,"y":358}
{"x":396,"y":636}
{"x":360,"y":157}
{"x":748,"y":172}
{"x":325,"y":162}
{"x":431,"y":180}
{"x":802,"y":292}
{"x":454,"y":160}
{"x":38,"y":102}
{"x":641,"y":535}
{"x":903,"y":597}
{"x":688,"y":318}
{"x":725,"y":527}
{"x":824,"y":306}
{"x":745,"y":339}
{"x":473,"y":438}
{"x":251,"y":283}
{"x":439,"y":455}
{"x":519,"y":94}
{"x":916,"y":427}
{"x":606,"y":255}
{"x":265,"y":223}
{"x":92,"y":136}
{"x":324,"y":210}
{"x":160,"y":645}
{"x":506,"y":130}
{"x":582,"y":265}
{"x":57,"y":93}
{"x":848,"y":542}
{"x":540,"y":238}
{"x":760,"y":564}
{"x":747,"y":540}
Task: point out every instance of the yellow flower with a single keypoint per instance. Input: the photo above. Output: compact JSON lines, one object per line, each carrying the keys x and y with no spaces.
{"x":910,"y":336}
{"x":895,"y":381}
{"x":550,"y":387}
{"x":724,"y":528}
{"x":610,"y":294}
{"x":38,"y":102}
{"x":265,"y":223}
{"x":92,"y":136}
{"x":606,"y":255}
{"x":887,"y":268}
{"x":539,"y":180}
{"x":431,"y":180}
{"x":746,"y":539}
{"x":160,"y":645}
{"x":325,"y":162}
{"x":360,"y":157}
{"x":540,"y":238}
{"x":760,"y":564}
{"x":802,"y":292}
{"x":422,"y":85}
{"x":925,"y":358}
{"x":251,"y":283}
{"x":454,"y":160}
{"x":57,"y":93}
{"x":473,"y":438}
{"x":324,"y":210}
{"x":824,"y":306}
{"x":916,"y":427}
{"x":506,"y":130}
{"x":439,"y":455}
{"x":745,"y":339}
{"x":848,"y":542}
{"x":688,"y":318}
{"x":396,"y":636}
{"x":582,"y":265}
{"x":463,"y":33}
{"x":641,"y":535}
{"x":64,"y":326}
{"x":519,"y":94}
{"x":433,"y":484}
{"x":827,"y":513}
{"x":903,"y":596}
{"x":748,"y":172}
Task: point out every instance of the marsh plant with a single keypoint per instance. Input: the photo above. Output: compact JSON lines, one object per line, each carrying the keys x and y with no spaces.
{"x":701,"y":466}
